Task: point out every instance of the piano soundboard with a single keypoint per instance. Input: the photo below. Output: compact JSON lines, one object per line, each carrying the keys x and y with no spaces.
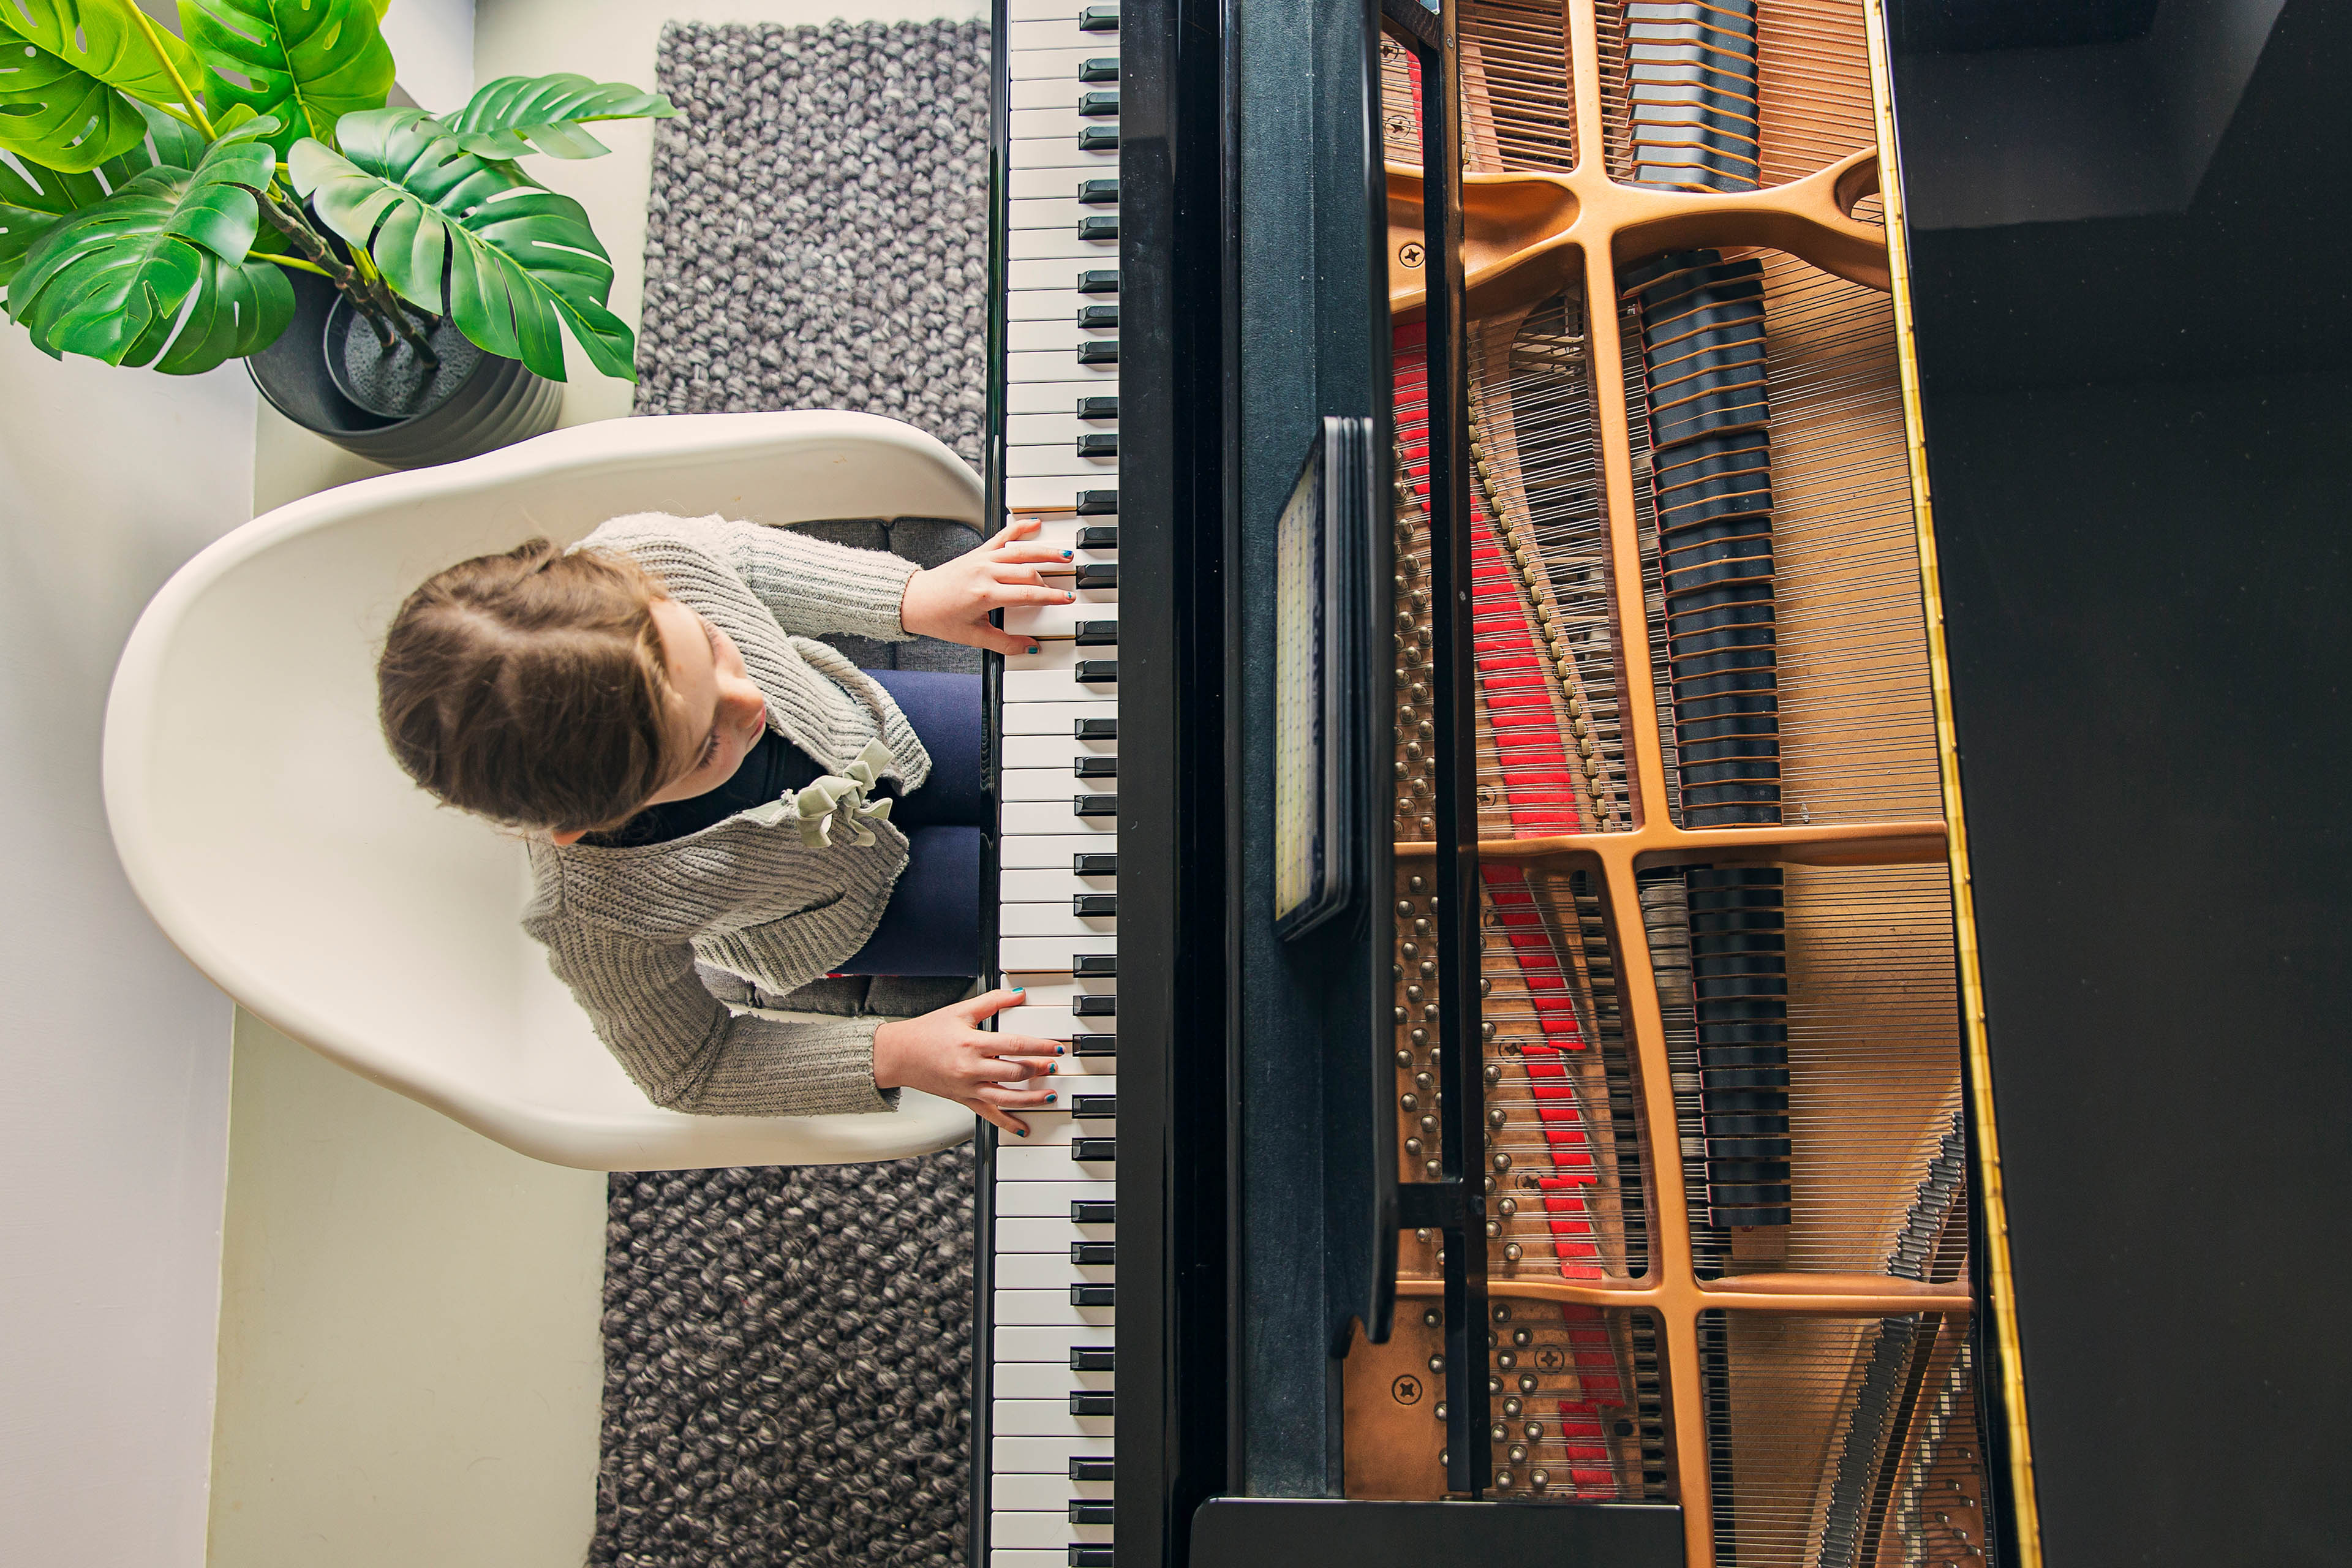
{"x":1047,"y":1321}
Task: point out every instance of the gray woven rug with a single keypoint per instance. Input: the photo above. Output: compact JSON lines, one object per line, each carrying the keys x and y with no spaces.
{"x":787,"y":1352}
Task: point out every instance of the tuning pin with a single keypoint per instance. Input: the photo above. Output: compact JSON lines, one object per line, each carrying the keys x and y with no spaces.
{"x":1430,"y":1317}
{"x":1433,"y":1169}
{"x":1502,"y":1480}
{"x":1421,"y":1235}
{"x":1522,"y":1338}
{"x":1497,"y":1116}
{"x":1502,"y":1162}
{"x":1493,"y":1386}
{"x":1527,"y":1382}
{"x":1502,"y":1311}
{"x":1512,"y":1252}
{"x":1508,"y":1207}
{"x":1417,"y":885}
{"x":1499,"y":1432}
{"x":1494,"y":1228}
{"x":1412,"y":1148}
{"x":1506,"y":1360}
{"x":1404,"y":1061}
{"x":1532,"y":1431}
{"x":1539,"y":1480}
{"x":1511,"y":1407}
{"x":1518,"y":1453}
{"x":1437,"y":1366}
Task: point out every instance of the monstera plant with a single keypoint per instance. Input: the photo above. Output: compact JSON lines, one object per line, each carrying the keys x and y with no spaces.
{"x":163,"y":196}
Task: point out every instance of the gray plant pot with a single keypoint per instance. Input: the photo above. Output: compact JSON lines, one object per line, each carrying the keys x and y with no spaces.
{"x":478,"y":402}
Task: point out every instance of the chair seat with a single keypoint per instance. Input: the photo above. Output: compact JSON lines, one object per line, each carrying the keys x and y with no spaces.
{"x":269,"y":831}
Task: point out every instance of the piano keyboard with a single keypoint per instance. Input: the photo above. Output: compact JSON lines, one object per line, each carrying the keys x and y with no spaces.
{"x":1049,"y":1324}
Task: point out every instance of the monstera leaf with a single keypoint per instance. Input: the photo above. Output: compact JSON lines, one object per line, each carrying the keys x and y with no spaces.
{"x":520,"y":260}
{"x":514,"y":115}
{"x":70,"y":72}
{"x":33,"y":199}
{"x":306,"y":62}
{"x":114,"y":279}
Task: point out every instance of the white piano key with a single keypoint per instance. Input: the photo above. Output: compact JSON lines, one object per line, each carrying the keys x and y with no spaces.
{"x":1041,"y":1418}
{"x":1057,"y":33}
{"x":1060,"y":210}
{"x":1059,"y":396}
{"x":1054,"y":1127}
{"x":1028,"y":1557}
{"x":1049,"y":1233}
{"x":1060,"y":334}
{"x":1023,"y":276}
{"x":1049,"y":1194}
{"x":1045,"y":1455}
{"x":1044,"y":887}
{"x":1035,"y":957}
{"x":1057,"y":365}
{"x":1045,"y":852}
{"x":1050,"y":685}
{"x":1049,"y":783}
{"x":1062,"y":301}
{"x":1051,"y":10}
{"x":1036,"y":243}
{"x":1043,"y":1271}
{"x":1029,"y":184}
{"x":1043,"y":1531}
{"x":1057,"y":656}
{"x":1054,"y":124}
{"x":1062,"y":427}
{"x":1052,"y":919}
{"x":1045,"y":1307}
{"x":1053,"y":1022}
{"x":1061,"y":529}
{"x":1066,"y":993}
{"x":1043,"y":1380}
{"x":1058,"y":153}
{"x":1031,"y":91}
{"x":1059,"y":752}
{"x":1055,"y":718}
{"x":1045,"y":817}
{"x":1059,"y":622}
{"x":1023,"y":1159}
{"x":1063,"y":461}
{"x":1063,"y":65}
{"x":1048,"y":1345}
{"x":1053,"y":493}
{"x":1012,"y":1494}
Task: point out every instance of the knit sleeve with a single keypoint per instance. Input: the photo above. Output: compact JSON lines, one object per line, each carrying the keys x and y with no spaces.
{"x":682,"y":1046}
{"x":814,"y":587}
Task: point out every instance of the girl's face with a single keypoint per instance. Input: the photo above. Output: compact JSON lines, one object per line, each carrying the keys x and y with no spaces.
{"x":720,"y":713}
{"x":717,"y":712}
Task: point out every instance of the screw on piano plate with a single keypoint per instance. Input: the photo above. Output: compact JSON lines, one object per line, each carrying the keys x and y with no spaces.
{"x":1410,"y":253}
{"x":1430,"y":1317}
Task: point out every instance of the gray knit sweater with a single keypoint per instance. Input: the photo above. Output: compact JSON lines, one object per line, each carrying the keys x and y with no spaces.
{"x":650,"y":938}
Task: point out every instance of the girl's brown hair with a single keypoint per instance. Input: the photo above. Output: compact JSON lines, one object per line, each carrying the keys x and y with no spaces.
{"x":529,"y":688}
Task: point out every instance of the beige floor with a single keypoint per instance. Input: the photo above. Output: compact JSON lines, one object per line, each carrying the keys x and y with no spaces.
{"x":409,"y":1359}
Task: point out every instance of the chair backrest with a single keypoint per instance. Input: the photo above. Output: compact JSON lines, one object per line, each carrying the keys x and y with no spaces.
{"x":268,"y":830}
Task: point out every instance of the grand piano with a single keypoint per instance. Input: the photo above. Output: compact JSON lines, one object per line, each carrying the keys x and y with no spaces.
{"x":1517,"y":893}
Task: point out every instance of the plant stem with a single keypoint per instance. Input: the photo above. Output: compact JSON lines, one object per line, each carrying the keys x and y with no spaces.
{"x":321,"y":256}
{"x":295,"y":262}
{"x":189,"y":98}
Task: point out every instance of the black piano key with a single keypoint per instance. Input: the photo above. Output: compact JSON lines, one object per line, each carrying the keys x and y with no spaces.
{"x":1098,"y":139}
{"x":1098,"y":351}
{"x":1094,"y":1107}
{"x":1097,"y":408}
{"x":1098,"y":574}
{"x":1094,"y":966}
{"x":1097,"y":503}
{"x":1095,"y":1006}
{"x":1101,"y":68}
{"x":1094,"y":1044}
{"x":1099,"y":104}
{"x":1100,"y":535}
{"x":1095,"y":730}
{"x":1099,"y":444}
{"x":1098,"y":318}
{"x":1096,"y":672}
{"x":1095,"y":767}
{"x":1098,"y":226}
{"x":1091,"y":1151}
{"x":1093,"y":1295}
{"x":1098,"y":19}
{"x":1098,"y":633}
{"x":1094,"y":1210}
{"x":1094,"y":806}
{"x":1098,"y":280}
{"x":1091,"y":1402}
{"x":1098,"y":192}
{"x":1094,"y":903}
{"x":1094,"y":1358}
{"x":1091,"y":1556}
{"x":1095,"y":863}
{"x":1091,"y":1252}
{"x":1083,"y":1513}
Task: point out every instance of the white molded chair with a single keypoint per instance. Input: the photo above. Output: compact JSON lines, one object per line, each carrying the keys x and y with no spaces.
{"x":274,"y":839}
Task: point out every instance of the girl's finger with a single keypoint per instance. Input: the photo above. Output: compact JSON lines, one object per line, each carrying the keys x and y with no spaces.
{"x":998,"y":641}
{"x":1030,"y":551}
{"x":1026,"y":1098}
{"x":986,"y":1113}
{"x":1002,"y":594}
{"x":1024,"y":1047}
{"x":1028,"y":575}
{"x":988,"y":1004}
{"x":1008,"y":1069}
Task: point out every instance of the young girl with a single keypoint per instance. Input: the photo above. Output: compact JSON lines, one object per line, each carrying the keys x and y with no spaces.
{"x":719,"y":809}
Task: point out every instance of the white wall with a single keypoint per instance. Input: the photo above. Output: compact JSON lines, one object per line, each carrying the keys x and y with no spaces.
{"x":114,"y":1054}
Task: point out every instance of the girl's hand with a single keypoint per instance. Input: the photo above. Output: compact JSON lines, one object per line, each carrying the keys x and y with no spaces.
{"x":946,"y":1053}
{"x":953,"y":601}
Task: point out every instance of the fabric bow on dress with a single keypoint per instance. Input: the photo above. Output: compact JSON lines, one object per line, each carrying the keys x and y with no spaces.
{"x":835,"y":799}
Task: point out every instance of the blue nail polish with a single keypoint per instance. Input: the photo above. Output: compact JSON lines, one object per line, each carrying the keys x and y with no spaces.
{"x":1060,"y":1051}
{"x":1021,"y":1133}
{"x":1018,"y":989}
{"x":1051,"y":1098}
{"x":1033,"y":648}
{"x":1066,"y":556}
